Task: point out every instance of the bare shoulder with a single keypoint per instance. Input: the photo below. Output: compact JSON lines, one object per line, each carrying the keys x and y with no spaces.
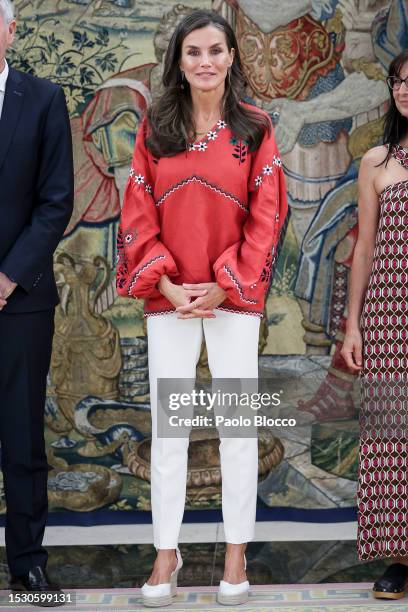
{"x":371,"y":170}
{"x":373,"y":157}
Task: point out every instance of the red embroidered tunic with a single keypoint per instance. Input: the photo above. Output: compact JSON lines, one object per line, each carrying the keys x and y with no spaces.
{"x":210,"y":214}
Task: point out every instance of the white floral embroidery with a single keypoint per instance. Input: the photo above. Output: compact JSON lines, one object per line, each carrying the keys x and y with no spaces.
{"x":258,"y":181}
{"x":221,"y":124}
{"x":277,"y":161}
{"x":128,"y":238}
{"x":212,"y":135}
{"x":139,"y":179}
{"x":267,"y":169}
{"x":201,"y":146}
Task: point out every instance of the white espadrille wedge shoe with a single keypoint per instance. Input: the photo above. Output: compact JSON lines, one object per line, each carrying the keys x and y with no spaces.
{"x":158,"y":595}
{"x":233,"y":594}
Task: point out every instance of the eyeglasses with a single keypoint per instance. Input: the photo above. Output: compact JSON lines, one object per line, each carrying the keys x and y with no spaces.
{"x":396,"y":82}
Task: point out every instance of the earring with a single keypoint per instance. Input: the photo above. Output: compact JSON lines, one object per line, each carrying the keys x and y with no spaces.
{"x":229,"y":76}
{"x":182,"y":79}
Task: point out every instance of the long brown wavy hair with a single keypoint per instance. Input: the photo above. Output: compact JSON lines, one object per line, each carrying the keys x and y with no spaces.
{"x":171,"y":115}
{"x":395,"y":124}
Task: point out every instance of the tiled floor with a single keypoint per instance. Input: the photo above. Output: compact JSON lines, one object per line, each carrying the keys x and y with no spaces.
{"x":328,"y":597}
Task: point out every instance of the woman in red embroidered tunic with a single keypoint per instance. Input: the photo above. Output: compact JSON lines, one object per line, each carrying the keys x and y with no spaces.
{"x":211,"y":213}
{"x":376,"y":343}
{"x":203,"y":209}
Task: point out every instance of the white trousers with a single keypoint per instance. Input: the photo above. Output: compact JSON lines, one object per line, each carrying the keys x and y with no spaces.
{"x":174,"y":349}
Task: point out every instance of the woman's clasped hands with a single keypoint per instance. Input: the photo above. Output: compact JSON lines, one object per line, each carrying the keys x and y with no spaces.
{"x":193,"y":300}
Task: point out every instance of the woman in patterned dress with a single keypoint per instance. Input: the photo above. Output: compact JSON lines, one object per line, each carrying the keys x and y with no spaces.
{"x":376,"y":342}
{"x":201,"y":218}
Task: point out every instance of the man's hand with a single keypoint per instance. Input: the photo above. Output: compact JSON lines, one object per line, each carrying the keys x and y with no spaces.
{"x":6,"y":289}
{"x":213,"y":297}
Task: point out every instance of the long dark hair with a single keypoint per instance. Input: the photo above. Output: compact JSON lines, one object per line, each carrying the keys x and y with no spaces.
{"x":395,"y":124}
{"x":171,"y":115}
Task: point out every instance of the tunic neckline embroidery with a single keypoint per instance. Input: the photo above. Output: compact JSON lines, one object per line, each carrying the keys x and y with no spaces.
{"x":201,"y":145}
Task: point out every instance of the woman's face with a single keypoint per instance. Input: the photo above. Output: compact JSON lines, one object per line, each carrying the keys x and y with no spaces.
{"x":205,"y":58}
{"x":401,"y":94}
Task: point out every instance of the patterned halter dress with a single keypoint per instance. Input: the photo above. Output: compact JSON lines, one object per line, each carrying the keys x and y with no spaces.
{"x":382,"y":492}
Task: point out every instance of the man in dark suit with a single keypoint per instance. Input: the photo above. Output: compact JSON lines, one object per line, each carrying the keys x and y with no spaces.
{"x":36,"y":199}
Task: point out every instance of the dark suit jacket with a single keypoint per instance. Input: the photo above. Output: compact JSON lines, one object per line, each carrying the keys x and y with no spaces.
{"x":36,"y":188}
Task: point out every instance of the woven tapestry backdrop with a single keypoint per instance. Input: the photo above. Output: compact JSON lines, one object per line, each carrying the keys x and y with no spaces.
{"x":318,"y":67}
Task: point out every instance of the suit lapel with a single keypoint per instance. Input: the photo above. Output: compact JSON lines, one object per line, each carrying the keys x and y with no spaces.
{"x":12,"y":105}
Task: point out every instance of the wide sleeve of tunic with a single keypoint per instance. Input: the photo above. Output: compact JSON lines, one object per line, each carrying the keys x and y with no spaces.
{"x":141,"y":257}
{"x":243,"y":270}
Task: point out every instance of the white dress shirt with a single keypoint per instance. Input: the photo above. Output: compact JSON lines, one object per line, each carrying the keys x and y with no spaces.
{"x":3,"y":79}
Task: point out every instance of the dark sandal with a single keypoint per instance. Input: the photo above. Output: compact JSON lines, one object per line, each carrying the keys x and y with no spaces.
{"x":393,"y":584}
